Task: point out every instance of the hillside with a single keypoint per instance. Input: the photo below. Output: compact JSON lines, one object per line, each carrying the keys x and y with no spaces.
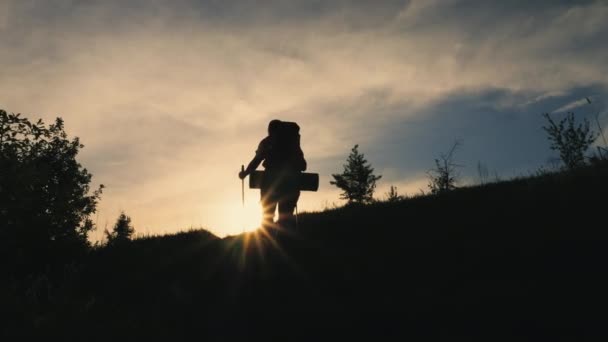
{"x":524,"y":257}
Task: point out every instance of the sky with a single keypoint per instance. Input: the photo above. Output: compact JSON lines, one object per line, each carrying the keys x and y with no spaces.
{"x":170,"y":98}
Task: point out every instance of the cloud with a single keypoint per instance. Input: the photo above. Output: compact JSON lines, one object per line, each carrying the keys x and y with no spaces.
{"x":571,"y":105}
{"x":545,"y":96}
{"x":170,"y":98}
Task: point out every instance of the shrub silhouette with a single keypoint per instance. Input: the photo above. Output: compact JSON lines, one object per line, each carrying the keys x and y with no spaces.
{"x":357,"y":181}
{"x":122,"y":232}
{"x":45,"y":202}
{"x":569,"y":140}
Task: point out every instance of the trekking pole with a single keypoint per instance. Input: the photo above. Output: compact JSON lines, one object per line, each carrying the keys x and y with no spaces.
{"x":243,"y":186}
{"x":243,"y":193}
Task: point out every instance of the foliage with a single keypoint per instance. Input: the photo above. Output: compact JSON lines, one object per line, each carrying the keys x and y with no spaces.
{"x":45,"y":204}
{"x":122,"y":231}
{"x":444,"y":177}
{"x":569,"y":140}
{"x":357,"y":181}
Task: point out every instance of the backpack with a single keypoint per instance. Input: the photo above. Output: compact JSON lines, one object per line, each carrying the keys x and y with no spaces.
{"x":285,"y":148}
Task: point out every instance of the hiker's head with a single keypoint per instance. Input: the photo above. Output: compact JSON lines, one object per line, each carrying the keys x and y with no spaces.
{"x":273,"y":126}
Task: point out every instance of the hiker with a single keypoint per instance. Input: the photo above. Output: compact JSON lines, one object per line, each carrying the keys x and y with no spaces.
{"x":283,"y":162}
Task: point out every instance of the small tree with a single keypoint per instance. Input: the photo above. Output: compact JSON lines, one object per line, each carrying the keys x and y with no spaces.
{"x":443,"y":178}
{"x":569,"y":140}
{"x":392,"y":195}
{"x":357,"y":181}
{"x":122,"y":231}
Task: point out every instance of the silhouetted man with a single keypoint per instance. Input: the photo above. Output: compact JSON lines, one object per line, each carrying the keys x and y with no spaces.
{"x":283,"y":162}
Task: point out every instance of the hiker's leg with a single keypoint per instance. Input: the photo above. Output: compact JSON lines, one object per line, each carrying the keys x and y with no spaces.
{"x":269,"y":205}
{"x":268,"y":215}
{"x":287,"y":205}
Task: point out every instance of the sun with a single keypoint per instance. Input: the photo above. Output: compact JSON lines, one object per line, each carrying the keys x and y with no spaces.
{"x":239,"y":218}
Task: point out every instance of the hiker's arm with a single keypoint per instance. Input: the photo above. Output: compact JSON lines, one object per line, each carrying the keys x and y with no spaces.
{"x":260,"y":154}
{"x":253,"y":164}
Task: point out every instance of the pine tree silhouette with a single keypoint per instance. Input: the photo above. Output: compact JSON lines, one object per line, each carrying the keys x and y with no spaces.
{"x":123,"y":230}
{"x":357,"y":181}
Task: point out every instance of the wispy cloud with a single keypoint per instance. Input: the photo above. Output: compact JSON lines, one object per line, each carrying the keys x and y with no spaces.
{"x":569,"y":106}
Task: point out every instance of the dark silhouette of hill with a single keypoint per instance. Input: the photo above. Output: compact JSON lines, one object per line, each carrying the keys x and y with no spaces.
{"x":525,"y":257}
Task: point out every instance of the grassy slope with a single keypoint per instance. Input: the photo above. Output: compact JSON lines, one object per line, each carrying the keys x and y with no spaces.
{"x":524,"y":257}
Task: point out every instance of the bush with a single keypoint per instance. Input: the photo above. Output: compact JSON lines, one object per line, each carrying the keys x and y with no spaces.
{"x":569,"y":140}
